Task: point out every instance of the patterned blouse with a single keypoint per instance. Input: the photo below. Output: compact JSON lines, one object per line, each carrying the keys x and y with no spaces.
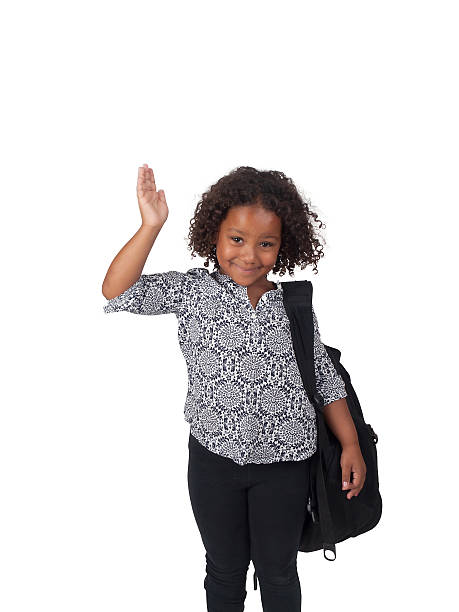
{"x":245,"y":397}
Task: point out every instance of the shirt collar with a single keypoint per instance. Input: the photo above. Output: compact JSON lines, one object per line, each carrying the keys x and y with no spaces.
{"x":225,"y":279}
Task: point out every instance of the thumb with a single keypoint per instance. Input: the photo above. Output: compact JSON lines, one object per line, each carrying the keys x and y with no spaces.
{"x":346,"y":472}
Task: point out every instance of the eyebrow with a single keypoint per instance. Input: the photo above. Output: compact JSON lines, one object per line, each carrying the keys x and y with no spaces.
{"x":241,"y":232}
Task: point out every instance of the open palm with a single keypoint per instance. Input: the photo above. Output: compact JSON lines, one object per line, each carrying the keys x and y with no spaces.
{"x":152,"y":203}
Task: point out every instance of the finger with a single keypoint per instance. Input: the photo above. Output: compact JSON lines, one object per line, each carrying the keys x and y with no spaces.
{"x":356,"y":485}
{"x":346,"y":476}
{"x":355,"y":479}
{"x":347,"y":482}
{"x":354,"y":493}
{"x":141,"y":182}
{"x":353,"y":490}
{"x":152,"y":179}
{"x":352,"y":486}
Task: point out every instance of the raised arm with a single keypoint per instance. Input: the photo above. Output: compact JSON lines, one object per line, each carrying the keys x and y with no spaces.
{"x":128,"y":264}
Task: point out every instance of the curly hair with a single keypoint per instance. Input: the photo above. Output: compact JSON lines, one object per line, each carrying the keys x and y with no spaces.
{"x":272,"y":189}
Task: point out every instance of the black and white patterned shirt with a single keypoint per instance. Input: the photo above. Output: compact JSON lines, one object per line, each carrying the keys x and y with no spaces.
{"x":245,"y":398}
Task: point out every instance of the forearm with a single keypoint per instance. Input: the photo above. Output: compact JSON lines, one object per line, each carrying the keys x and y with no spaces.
{"x":341,"y":423}
{"x":127,"y":266}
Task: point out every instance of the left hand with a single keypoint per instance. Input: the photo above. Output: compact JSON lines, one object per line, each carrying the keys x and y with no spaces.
{"x":352,"y":462}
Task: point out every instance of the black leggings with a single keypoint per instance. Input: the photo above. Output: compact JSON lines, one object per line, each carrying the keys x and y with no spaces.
{"x":248,"y":512}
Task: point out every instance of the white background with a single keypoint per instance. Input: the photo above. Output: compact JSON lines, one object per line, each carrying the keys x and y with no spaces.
{"x":357,"y":103}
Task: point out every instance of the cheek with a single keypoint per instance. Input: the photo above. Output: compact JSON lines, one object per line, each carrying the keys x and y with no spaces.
{"x":226,"y":248}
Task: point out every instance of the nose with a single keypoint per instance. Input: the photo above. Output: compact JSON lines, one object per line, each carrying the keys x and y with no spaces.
{"x":247,"y":257}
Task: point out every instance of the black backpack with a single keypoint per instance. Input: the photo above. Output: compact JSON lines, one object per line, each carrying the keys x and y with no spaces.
{"x":330,"y":517}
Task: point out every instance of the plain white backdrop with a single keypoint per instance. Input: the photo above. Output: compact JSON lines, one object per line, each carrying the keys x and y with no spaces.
{"x":357,"y":103}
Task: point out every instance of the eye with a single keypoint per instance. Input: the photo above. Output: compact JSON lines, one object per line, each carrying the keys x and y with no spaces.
{"x":270,"y":244}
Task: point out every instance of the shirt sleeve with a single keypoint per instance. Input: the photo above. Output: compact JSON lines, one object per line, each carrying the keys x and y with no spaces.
{"x":154,"y":294}
{"x":329,"y":383}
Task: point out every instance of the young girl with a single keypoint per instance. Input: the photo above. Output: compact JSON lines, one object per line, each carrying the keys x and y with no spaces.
{"x":252,"y":427}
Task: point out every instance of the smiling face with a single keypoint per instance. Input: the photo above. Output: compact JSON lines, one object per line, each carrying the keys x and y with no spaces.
{"x":248,"y":241}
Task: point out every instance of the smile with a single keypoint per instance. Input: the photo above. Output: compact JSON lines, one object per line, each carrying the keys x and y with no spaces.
{"x":246,"y":270}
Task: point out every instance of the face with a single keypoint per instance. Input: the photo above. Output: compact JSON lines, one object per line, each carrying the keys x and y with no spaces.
{"x":248,"y":242}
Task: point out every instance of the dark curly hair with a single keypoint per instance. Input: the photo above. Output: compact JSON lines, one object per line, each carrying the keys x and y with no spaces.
{"x":272,"y":189}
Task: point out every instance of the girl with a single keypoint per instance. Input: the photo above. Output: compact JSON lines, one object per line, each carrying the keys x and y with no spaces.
{"x":252,"y":427}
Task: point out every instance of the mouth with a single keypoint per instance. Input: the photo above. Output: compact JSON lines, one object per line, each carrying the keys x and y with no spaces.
{"x":246,"y":270}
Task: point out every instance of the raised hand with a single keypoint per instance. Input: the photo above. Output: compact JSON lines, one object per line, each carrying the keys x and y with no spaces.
{"x":152,"y":203}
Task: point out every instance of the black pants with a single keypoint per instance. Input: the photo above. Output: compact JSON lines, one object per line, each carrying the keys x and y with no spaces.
{"x":248,"y":512}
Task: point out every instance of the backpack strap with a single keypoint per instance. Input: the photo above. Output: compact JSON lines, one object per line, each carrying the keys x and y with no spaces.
{"x":297,"y":296}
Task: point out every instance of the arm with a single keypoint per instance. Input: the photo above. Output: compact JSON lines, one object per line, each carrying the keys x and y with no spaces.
{"x":340,"y":421}
{"x":338,"y":418}
{"x":124,"y":286}
{"x":127,"y":266}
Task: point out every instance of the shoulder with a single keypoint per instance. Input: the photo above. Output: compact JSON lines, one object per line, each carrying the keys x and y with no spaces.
{"x":198,"y":274}
{"x":174,"y":277}
{"x":196,"y":278}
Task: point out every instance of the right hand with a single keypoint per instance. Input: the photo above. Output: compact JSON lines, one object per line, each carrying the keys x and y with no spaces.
{"x":152,"y":203}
